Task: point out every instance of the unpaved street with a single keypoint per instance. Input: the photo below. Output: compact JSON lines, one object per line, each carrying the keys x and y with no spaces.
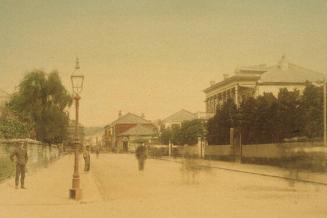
{"x":164,"y":189}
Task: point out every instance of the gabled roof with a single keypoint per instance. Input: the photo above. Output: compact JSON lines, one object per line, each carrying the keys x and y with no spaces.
{"x":292,"y":73}
{"x":180,"y":116}
{"x":283,"y":72}
{"x":139,"y":130}
{"x":130,"y":118}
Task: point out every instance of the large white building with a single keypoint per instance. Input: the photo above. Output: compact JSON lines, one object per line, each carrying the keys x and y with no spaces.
{"x":257,"y":80}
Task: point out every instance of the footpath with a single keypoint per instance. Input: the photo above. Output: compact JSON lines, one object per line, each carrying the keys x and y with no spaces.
{"x":49,"y":186}
{"x":319,"y":178}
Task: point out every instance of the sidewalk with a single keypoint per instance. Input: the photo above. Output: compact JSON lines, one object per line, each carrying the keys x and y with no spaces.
{"x":49,"y":186}
{"x":261,"y":170}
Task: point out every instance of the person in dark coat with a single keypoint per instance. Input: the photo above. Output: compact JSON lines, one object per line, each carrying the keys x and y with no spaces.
{"x":141,"y":156}
{"x":19,"y":155}
{"x":87,"y":158}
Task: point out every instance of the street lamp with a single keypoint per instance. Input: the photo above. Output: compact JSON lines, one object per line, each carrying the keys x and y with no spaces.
{"x":77,"y":85}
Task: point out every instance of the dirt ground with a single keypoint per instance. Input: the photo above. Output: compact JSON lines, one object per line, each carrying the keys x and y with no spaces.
{"x":115,"y":188}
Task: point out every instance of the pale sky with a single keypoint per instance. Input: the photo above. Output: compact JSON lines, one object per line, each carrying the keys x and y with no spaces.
{"x":154,"y":57}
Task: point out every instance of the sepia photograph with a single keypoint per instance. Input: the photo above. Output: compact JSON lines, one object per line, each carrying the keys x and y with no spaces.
{"x":163,"y":108}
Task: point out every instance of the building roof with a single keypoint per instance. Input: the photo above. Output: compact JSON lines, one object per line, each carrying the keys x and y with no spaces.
{"x":289,"y":72}
{"x":180,"y":116}
{"x":130,"y":118}
{"x":139,"y":130}
{"x":283,"y":72}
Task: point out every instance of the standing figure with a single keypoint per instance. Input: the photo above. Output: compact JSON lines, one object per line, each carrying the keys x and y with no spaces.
{"x":141,"y":156}
{"x":97,"y":151}
{"x":19,"y":155}
{"x":87,"y":158}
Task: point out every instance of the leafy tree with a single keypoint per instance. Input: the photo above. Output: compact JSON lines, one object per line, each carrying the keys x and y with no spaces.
{"x":165,"y":136}
{"x":289,"y":122}
{"x":190,"y":130}
{"x":246,"y":118}
{"x":219,"y":126}
{"x":13,"y":128}
{"x":312,"y":111}
{"x":265,"y":119}
{"x":187,"y":133}
{"x":41,"y":101}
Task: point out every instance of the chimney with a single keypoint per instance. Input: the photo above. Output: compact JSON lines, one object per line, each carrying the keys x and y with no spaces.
{"x":212,"y":82}
{"x":283,"y":63}
{"x":119,"y":113}
{"x":225,"y":75}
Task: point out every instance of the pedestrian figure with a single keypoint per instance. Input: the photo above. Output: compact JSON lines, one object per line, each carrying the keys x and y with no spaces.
{"x":20,"y":157}
{"x":87,"y":158}
{"x":97,"y":151}
{"x":190,"y":168}
{"x":141,"y":156}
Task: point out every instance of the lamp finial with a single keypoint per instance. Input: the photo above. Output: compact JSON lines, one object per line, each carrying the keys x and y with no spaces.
{"x":77,"y":64}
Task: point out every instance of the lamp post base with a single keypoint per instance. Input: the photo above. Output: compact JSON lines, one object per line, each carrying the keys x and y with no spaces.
{"x":75,"y":193}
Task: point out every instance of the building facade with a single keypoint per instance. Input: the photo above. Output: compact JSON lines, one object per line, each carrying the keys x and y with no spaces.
{"x":253,"y":81}
{"x":128,"y":131}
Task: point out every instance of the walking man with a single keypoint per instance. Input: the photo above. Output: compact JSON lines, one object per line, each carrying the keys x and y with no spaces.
{"x":141,"y":156}
{"x":20,"y":157}
{"x":87,"y":158}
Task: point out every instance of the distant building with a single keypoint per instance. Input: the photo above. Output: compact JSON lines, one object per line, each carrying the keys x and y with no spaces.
{"x":177,"y":118}
{"x":256,"y":80}
{"x":71,"y":134}
{"x":183,"y":115}
{"x":129,"y":130}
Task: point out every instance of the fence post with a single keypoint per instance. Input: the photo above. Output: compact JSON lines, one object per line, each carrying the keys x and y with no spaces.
{"x":200,"y":147}
{"x":169,"y":148}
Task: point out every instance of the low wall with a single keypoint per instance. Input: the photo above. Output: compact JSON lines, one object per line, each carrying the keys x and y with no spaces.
{"x":218,"y":150}
{"x":250,"y":152}
{"x":277,"y":151}
{"x":177,"y":150}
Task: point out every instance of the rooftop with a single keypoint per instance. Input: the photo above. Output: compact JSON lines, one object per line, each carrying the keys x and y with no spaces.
{"x":180,"y":116}
{"x":130,"y":118}
{"x":139,"y":130}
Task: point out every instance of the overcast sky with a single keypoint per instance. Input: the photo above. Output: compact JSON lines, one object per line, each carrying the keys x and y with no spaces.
{"x":155,"y":57}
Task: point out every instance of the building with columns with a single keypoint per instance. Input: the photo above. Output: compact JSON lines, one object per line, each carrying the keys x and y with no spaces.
{"x":253,"y":81}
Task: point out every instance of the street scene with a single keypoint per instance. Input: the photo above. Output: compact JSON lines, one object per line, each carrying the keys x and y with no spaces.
{"x":163,"y":108}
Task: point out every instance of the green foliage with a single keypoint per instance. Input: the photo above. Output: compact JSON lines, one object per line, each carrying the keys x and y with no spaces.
{"x":225,"y":118}
{"x":13,"y":128}
{"x":187,"y":133}
{"x":268,"y":119}
{"x":312,"y":110}
{"x":40,"y":101}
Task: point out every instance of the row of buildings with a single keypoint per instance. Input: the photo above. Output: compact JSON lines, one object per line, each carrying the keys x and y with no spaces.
{"x":128,"y":130}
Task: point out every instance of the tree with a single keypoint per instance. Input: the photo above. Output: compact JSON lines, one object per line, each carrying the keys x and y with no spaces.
{"x":289,"y":122}
{"x":187,"y":133}
{"x":165,"y":136}
{"x":312,"y":111}
{"x":225,"y":118}
{"x":265,"y":119}
{"x":246,"y":118}
{"x":41,"y":100}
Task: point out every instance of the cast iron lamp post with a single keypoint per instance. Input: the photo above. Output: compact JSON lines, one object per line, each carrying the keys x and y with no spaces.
{"x":77,"y":84}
